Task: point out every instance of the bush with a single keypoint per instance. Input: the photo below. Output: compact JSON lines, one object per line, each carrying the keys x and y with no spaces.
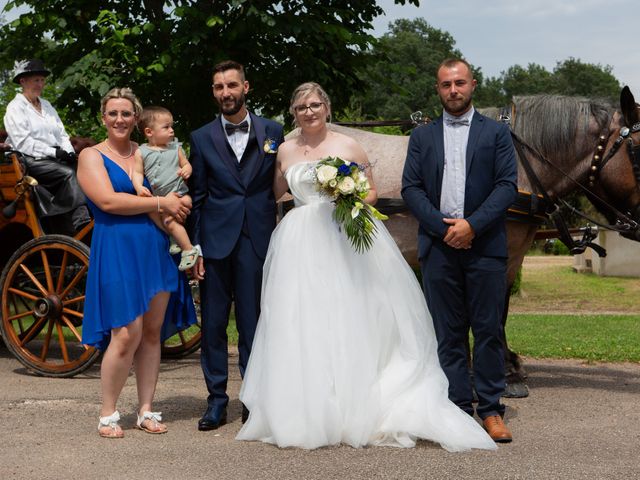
{"x":559,"y":248}
{"x":555,"y":247}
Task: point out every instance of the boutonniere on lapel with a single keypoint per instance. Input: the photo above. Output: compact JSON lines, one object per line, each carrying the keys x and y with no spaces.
{"x":270,"y":146}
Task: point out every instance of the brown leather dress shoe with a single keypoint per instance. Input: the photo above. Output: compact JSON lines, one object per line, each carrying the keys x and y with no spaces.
{"x":496,"y":429}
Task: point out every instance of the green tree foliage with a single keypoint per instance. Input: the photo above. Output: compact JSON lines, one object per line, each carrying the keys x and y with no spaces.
{"x":569,"y":77}
{"x":532,"y":80}
{"x":586,"y":79}
{"x":400,"y":78}
{"x":7,"y":92}
{"x":489,"y":93}
{"x":164,"y":49}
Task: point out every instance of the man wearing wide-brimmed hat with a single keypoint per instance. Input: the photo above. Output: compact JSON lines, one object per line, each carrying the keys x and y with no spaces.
{"x":35,"y":129}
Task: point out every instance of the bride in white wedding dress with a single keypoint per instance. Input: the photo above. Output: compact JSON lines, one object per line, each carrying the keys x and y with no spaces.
{"x":345,"y":350}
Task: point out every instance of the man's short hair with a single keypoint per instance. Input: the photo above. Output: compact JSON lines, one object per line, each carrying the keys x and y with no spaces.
{"x":451,"y":62}
{"x":229,"y":65}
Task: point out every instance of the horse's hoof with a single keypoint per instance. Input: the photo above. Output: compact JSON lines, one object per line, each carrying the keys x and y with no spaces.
{"x":516,"y":390}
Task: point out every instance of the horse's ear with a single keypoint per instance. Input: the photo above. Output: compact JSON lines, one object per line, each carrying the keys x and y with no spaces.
{"x":628,"y":107}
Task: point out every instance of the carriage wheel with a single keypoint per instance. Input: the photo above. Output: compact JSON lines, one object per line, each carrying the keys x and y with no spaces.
{"x":43,"y":296}
{"x":187,"y":341}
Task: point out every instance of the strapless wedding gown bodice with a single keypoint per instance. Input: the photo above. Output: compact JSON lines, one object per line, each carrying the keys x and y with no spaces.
{"x":301,"y":180}
{"x":345,"y":350}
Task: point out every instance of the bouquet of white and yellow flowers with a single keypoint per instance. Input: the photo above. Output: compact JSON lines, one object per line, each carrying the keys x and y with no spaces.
{"x":348,"y":186}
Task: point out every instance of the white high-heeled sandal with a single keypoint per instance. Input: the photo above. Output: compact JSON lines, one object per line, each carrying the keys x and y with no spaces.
{"x":110,"y":421}
{"x":155,"y":417}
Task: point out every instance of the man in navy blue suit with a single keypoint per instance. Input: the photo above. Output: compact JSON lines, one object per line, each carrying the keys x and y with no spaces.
{"x":233,"y":215}
{"x":458,"y":181}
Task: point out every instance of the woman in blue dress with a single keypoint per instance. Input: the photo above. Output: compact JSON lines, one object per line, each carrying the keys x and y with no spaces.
{"x":131,"y":273}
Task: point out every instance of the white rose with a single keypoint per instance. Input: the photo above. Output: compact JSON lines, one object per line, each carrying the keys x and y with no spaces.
{"x":333,"y":182}
{"x":346,"y":186}
{"x":363,"y":186}
{"x":326,"y":173}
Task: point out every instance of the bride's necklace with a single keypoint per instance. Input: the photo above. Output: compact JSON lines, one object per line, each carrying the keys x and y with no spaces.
{"x":306,"y":148}
{"x":106,"y":142}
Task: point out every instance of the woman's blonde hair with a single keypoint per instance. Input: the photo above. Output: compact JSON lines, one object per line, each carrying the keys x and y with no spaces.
{"x":125,"y":93}
{"x":305,"y":90}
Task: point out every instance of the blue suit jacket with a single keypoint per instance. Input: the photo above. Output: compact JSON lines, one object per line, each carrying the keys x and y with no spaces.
{"x":491,"y":183}
{"x":222,"y":202}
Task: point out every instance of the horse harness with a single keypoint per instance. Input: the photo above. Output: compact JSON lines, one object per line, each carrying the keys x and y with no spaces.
{"x":633,"y":149}
{"x":536,"y":207}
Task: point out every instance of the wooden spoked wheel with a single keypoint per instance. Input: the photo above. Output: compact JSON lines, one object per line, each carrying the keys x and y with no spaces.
{"x":187,"y":341}
{"x":43,"y":293}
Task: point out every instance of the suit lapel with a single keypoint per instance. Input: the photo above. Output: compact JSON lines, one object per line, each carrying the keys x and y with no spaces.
{"x":258,"y":127}
{"x":224,"y":152}
{"x":438,"y":141}
{"x":477,"y":123}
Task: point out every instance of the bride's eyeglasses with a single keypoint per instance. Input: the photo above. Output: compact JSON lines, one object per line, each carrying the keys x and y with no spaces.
{"x":314,"y":107}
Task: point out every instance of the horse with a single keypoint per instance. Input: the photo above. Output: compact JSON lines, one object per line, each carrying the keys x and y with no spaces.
{"x":574,"y":143}
{"x":568,"y":143}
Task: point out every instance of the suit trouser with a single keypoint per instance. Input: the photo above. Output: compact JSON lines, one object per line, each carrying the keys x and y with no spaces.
{"x":466,"y":291}
{"x":238,"y":279}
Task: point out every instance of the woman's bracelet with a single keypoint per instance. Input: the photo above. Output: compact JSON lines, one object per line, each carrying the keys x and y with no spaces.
{"x":158,"y":199}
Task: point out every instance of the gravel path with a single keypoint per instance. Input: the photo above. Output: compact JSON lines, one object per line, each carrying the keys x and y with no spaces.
{"x":581,"y":421}
{"x":546,"y":261}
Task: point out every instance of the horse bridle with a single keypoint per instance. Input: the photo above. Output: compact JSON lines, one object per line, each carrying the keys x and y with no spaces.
{"x":598,"y":161}
{"x":626,"y":225}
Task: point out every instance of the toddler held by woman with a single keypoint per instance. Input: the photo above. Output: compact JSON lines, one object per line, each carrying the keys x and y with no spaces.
{"x":166,"y":167}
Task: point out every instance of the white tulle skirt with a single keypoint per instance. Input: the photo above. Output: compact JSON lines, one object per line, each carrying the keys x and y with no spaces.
{"x":345,"y":350}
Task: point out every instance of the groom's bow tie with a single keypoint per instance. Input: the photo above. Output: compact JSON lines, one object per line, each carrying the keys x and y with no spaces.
{"x":456,"y":121}
{"x":241,"y":127}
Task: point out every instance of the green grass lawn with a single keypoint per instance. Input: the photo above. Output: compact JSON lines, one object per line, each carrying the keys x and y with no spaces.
{"x":607,"y":338}
{"x":563,"y":314}
{"x":558,"y":289}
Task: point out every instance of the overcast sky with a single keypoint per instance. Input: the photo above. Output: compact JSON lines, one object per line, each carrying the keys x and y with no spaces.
{"x":496,"y":34}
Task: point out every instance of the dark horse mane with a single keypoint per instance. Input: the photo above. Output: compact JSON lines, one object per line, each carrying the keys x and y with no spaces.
{"x":560,"y":127}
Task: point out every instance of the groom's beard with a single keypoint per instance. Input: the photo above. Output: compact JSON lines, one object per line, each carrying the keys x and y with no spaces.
{"x":231,"y":108}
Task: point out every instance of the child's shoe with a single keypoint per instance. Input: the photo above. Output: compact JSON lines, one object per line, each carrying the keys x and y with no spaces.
{"x":188,"y":258}
{"x":174,"y":247}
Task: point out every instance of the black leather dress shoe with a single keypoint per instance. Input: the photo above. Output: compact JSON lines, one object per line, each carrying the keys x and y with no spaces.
{"x":245,"y":414}
{"x":213,"y":418}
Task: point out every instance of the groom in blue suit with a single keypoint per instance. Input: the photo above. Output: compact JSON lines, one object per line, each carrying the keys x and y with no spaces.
{"x":458,"y":181}
{"x":233,"y":215}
